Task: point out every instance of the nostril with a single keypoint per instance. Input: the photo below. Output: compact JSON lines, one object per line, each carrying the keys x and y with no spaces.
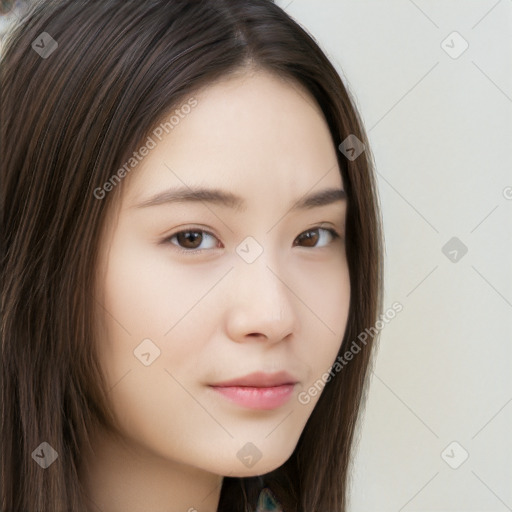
{"x":257,"y":335}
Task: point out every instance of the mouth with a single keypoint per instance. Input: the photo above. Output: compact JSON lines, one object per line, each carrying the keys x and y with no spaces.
{"x":257,"y":398}
{"x":258,"y":390}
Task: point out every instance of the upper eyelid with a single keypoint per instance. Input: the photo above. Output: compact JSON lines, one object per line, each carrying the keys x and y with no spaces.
{"x":186,"y":229}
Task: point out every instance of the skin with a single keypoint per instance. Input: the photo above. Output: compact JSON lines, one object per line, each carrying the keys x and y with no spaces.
{"x":212,"y":315}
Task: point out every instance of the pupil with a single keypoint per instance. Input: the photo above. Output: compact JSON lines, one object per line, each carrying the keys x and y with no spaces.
{"x":190,"y":237}
{"x":310,"y":236}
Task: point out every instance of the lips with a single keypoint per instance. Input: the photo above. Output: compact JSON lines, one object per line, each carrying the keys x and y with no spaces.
{"x":259,"y":380}
{"x":259,"y":390}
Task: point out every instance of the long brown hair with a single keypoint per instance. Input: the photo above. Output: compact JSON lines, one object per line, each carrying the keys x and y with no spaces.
{"x":70,"y":118}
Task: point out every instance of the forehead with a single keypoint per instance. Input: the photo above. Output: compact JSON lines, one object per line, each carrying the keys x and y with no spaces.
{"x":256,"y":132}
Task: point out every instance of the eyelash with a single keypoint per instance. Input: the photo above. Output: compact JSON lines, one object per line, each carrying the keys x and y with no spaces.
{"x":168,"y":239}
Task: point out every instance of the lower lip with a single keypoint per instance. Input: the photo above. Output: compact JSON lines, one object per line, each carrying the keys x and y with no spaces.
{"x":257,"y":398}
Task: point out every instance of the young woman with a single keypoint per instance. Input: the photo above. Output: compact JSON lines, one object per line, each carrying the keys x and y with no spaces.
{"x":192,"y":249}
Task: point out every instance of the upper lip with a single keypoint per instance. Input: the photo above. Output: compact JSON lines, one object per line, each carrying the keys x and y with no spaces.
{"x":259,"y":380}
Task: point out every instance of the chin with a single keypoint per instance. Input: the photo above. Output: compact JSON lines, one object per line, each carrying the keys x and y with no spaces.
{"x":263,"y":466}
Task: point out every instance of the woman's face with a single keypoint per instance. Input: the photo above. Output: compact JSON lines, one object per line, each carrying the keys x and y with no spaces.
{"x":252,"y":285}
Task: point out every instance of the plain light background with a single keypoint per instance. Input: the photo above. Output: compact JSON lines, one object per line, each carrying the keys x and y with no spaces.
{"x":440,"y":128}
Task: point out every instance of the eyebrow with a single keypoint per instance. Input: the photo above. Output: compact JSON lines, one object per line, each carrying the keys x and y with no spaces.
{"x":229,"y":200}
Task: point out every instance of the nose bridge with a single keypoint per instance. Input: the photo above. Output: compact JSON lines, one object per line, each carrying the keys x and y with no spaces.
{"x":264,"y":276}
{"x":263,"y":299}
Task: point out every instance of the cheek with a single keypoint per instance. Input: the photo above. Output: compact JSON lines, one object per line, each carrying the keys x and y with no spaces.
{"x":147,"y":292}
{"x":325,"y":318}
{"x":151,"y":306}
{"x":148,"y":296}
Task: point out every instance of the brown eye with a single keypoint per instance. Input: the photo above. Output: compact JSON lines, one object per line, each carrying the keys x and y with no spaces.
{"x":190,"y":240}
{"x":311,"y":237}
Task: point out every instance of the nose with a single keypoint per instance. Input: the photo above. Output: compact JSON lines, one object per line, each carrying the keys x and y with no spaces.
{"x":262,"y":304}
